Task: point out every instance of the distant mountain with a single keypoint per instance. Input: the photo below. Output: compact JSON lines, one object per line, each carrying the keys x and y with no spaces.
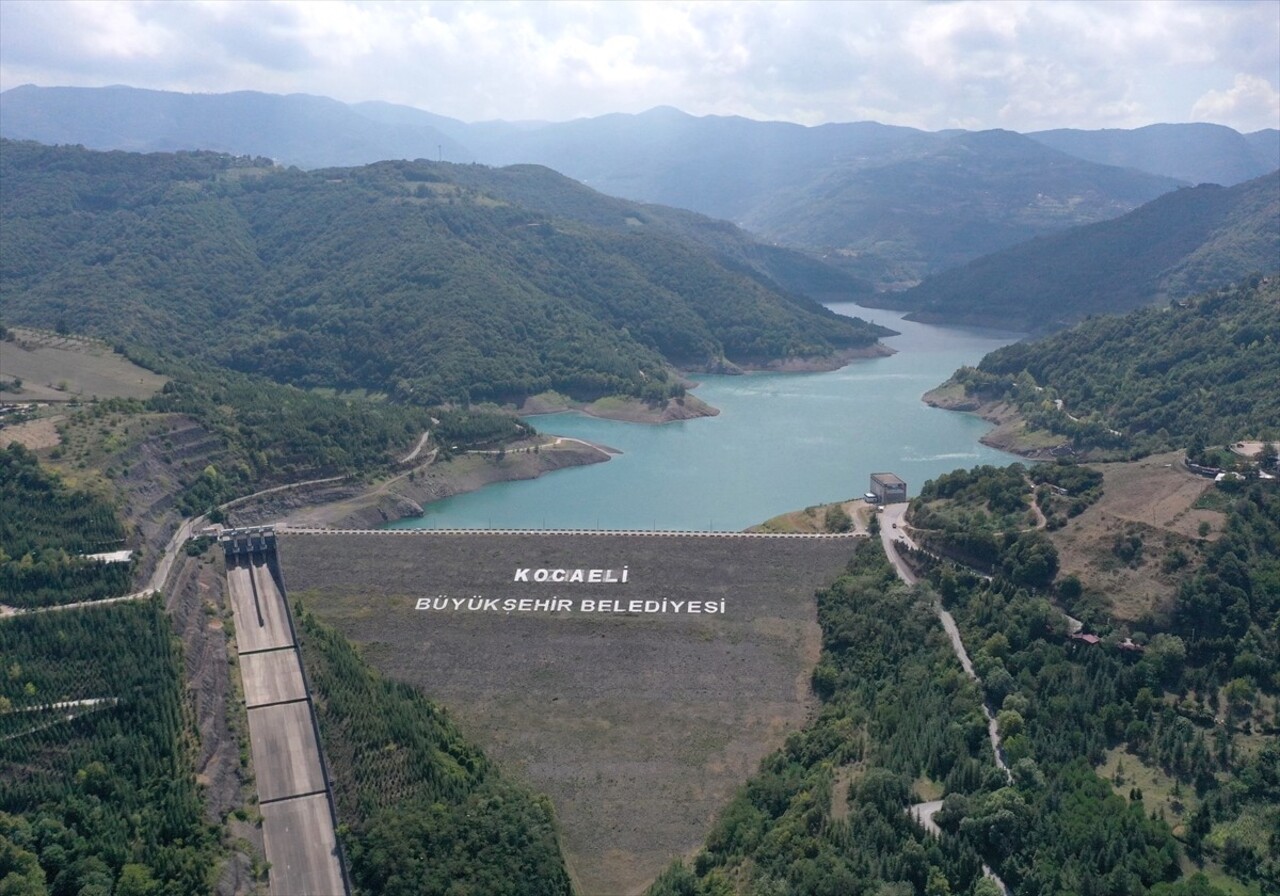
{"x":969,"y":195}
{"x":1266,"y":144}
{"x":889,"y":205}
{"x":720,"y":166}
{"x":429,"y":281}
{"x":1191,"y":240}
{"x":308,"y":131}
{"x":1196,"y":153}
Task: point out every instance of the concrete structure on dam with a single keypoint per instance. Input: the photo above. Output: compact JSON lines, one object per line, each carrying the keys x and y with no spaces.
{"x":635,"y":678}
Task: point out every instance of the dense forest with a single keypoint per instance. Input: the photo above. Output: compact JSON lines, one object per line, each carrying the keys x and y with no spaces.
{"x":421,"y":810}
{"x":1200,"y":372}
{"x":1182,"y":243}
{"x":1191,"y":706}
{"x":414,"y":280}
{"x":45,"y":531}
{"x":97,"y":793}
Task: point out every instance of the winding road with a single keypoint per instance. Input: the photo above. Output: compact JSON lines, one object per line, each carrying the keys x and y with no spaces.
{"x":892,"y":529}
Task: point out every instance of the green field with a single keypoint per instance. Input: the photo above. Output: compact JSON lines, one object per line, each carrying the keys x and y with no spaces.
{"x":53,"y":367}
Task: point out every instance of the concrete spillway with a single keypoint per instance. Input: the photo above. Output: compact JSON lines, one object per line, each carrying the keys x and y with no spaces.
{"x":293,"y":792}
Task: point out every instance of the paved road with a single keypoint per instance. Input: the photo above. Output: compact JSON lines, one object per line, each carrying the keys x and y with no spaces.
{"x":297,"y":823}
{"x":891,"y":530}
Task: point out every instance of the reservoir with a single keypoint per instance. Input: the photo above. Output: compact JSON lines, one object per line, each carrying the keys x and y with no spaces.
{"x":782,"y":441}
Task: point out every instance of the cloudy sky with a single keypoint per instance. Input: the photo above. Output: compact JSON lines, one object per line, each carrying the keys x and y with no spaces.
{"x":1012,"y":64}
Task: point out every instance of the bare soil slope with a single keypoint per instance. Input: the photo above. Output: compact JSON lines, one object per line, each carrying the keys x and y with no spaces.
{"x":638,"y":726}
{"x":1152,"y":499}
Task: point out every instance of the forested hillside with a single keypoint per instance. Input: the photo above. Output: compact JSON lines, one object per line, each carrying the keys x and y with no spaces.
{"x":1182,"y":243}
{"x":396,"y":278}
{"x":1202,"y":372}
{"x":98,"y":793}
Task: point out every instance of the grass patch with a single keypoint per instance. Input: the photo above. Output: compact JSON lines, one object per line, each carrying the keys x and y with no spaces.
{"x":1161,"y":794}
{"x":62,"y":368}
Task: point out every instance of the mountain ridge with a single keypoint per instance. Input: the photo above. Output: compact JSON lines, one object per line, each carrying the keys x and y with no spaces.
{"x":792,"y":184}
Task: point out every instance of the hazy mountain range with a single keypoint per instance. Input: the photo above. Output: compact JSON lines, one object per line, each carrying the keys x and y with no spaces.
{"x":890,"y":205}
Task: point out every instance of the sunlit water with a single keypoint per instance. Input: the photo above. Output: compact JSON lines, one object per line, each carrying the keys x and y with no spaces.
{"x":781,"y":442}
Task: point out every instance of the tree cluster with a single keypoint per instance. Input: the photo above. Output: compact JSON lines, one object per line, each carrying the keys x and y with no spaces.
{"x":97,"y":792}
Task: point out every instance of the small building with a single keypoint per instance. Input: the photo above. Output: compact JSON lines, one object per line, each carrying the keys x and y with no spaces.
{"x":888,"y":488}
{"x":870,"y":498}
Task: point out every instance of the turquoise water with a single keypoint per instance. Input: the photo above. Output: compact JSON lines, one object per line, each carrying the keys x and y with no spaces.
{"x":781,"y":442}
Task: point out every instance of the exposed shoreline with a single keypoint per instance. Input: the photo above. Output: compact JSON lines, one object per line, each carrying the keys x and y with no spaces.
{"x":354,"y":504}
{"x":1011,"y":433}
{"x":824,"y":363}
{"x":628,"y":410}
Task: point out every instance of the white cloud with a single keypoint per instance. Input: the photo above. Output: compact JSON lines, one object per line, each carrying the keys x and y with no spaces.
{"x":1248,"y":101}
{"x":1020,"y":64}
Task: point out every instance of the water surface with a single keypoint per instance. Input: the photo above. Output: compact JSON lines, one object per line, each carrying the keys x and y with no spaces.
{"x":780,"y":443}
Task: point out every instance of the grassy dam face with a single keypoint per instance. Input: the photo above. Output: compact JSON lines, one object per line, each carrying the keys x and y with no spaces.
{"x":637,"y":680}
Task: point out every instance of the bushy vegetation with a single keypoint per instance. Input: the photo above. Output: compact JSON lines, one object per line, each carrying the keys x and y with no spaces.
{"x":415,"y":280}
{"x":421,"y":810}
{"x":982,"y":518}
{"x":1202,"y":372}
{"x":45,"y":529}
{"x":97,"y":794}
{"x":1065,"y":489}
{"x":1187,"y":705}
